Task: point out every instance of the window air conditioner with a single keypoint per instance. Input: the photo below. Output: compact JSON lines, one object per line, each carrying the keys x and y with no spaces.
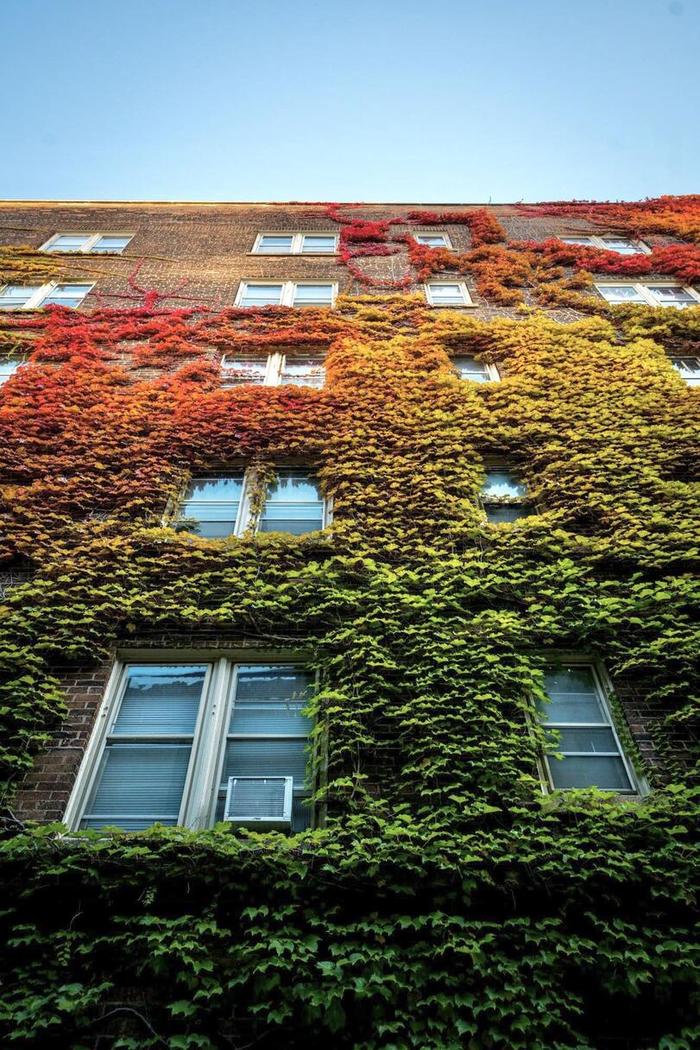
{"x":263,"y":803}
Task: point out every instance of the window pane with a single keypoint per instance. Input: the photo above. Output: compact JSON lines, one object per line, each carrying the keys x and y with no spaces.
{"x":621,"y":245}
{"x":160,"y":700}
{"x":262,"y":295}
{"x":447,"y":294}
{"x":313,"y":295}
{"x":216,"y":489}
{"x":293,"y":504}
{"x":501,"y":484}
{"x":70,"y":295}
{"x":587,"y":241}
{"x":688,"y":368}
{"x":110,"y":244}
{"x":16,"y":295}
{"x":620,"y":293}
{"x":69,"y":242}
{"x":138,"y":785}
{"x":8,"y":368}
{"x":316,"y":243}
{"x":577,"y":741}
{"x":502,"y":515}
{"x":672,"y":295}
{"x":580,"y":771}
{"x":212,"y":505}
{"x":433,"y":240}
{"x":573,"y":697}
{"x":305,"y":371}
{"x":270,"y":700}
{"x":266,"y":758}
{"x":469,"y":368}
{"x":275,"y":245}
{"x":236,"y":370}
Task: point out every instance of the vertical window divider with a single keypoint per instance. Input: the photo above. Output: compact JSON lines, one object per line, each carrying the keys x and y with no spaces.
{"x":200,"y":793}
{"x":275,"y":364}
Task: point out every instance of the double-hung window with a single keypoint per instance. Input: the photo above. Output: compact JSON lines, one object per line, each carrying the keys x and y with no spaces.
{"x":295,"y":244}
{"x":657,"y":294}
{"x":447,"y":293}
{"x":286,"y":293}
{"x":88,"y":243}
{"x":433,"y":240}
{"x":9,"y":366}
{"x":274,"y":370}
{"x":688,"y":369}
{"x":34,"y":296}
{"x":621,"y":245}
{"x":290,"y":502}
{"x":170,"y":737}
{"x":578,"y":726}
{"x":473,"y":370}
{"x":504,"y":496}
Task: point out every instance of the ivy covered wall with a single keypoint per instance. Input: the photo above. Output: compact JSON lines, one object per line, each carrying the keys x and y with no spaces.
{"x":446,"y":902}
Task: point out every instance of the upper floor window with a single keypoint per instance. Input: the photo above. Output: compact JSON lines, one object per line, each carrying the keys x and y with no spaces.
{"x":579,"y":727}
{"x":447,"y":293}
{"x":674,"y":295}
{"x":286,"y":293}
{"x":688,"y":369}
{"x":470,"y":368}
{"x":90,"y":243}
{"x":8,"y":367}
{"x":198,"y":742}
{"x":296,"y":244}
{"x":274,"y":370}
{"x":433,"y":240}
{"x":504,"y":495}
{"x":230,"y":505}
{"x":33,"y":296}
{"x":621,"y":245}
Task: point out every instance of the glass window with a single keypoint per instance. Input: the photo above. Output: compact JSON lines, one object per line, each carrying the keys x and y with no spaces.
{"x":313,"y":295}
{"x":432,"y":240}
{"x":293,"y":503}
{"x":69,"y":242}
{"x":141,"y":774}
{"x":688,"y":368}
{"x":303,"y":371}
{"x":467,"y":367}
{"x":324,"y":244}
{"x":15,"y":296}
{"x":70,"y":295}
{"x":672,"y":295}
{"x":261,"y":295}
{"x":578,"y":727}
{"x":504,"y":496}
{"x":8,"y":367}
{"x":586,"y":242}
{"x":275,"y":244}
{"x":238,"y":370}
{"x":447,"y":293}
{"x":501,"y":483}
{"x":621,"y":245}
{"x":212,"y":506}
{"x":268,"y":734}
{"x":110,"y":243}
{"x":621,"y":293}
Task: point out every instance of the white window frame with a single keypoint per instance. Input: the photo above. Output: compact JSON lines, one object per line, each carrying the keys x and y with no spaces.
{"x":452,"y":306}
{"x":644,"y":291}
{"x":297,"y":247}
{"x":433,"y":233}
{"x":604,"y":689}
{"x":276,"y":363}
{"x":246,"y":520}
{"x":20,"y":362}
{"x":92,"y":240}
{"x":598,"y":241}
{"x":199,"y":795}
{"x":691,"y":380}
{"x":288,"y":292}
{"x":43,"y":291}
{"x":494,"y":376}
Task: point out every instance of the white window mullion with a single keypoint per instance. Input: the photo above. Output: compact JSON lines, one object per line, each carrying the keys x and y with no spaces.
{"x":199,"y":798}
{"x":245,"y":511}
{"x":273,"y":375}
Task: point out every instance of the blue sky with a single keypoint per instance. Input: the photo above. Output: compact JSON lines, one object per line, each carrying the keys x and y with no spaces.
{"x":455,"y":101}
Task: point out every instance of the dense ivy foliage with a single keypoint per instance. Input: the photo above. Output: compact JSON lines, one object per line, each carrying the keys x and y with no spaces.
{"x":446,"y":903}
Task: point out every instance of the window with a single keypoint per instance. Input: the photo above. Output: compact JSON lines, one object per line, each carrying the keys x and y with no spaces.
{"x":274,"y":370}
{"x":433,"y":240}
{"x":31,"y":297}
{"x":172,"y":734}
{"x":286,"y":293}
{"x":447,"y":293}
{"x":688,"y":369}
{"x":674,"y":295}
{"x":8,"y":367}
{"x":469,"y":368}
{"x":291,"y":502}
{"x":91,"y":243}
{"x":296,"y":244}
{"x":578,"y":726}
{"x":504,"y":496}
{"x":621,"y":245}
